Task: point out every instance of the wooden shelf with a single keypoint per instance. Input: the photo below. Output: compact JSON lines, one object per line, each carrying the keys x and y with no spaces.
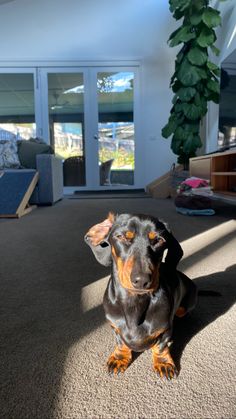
{"x":223,"y":173}
{"x":218,"y":168}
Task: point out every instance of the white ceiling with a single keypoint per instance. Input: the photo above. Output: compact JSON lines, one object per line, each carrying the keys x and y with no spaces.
{"x":5,"y":1}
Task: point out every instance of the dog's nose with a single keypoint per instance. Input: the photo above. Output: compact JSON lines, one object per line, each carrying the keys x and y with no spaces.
{"x":141,"y":281}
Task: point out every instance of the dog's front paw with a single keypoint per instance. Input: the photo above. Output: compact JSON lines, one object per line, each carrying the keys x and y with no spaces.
{"x":119,"y":360}
{"x":164,"y":369}
{"x":116,"y":366}
{"x":163,"y":363}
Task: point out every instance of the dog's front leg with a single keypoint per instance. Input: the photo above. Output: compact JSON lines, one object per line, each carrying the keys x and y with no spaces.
{"x":121,"y":358}
{"x":163,"y":363}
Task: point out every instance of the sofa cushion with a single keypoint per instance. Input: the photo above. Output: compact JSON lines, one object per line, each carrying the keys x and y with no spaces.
{"x":28,"y":150}
{"x":9,"y":155}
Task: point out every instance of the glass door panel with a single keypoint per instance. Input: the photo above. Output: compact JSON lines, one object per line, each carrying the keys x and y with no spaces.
{"x":66,"y":124}
{"x":17,"y":112}
{"x":116,"y":140}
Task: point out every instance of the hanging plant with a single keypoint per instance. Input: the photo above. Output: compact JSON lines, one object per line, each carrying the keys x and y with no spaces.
{"x":195,"y":81}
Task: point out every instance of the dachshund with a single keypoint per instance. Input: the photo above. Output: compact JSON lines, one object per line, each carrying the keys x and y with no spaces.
{"x":143,"y":294}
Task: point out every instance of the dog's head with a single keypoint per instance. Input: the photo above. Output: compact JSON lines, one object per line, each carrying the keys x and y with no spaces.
{"x":135,"y":243}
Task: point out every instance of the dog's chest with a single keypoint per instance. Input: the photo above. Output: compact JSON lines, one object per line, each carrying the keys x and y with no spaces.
{"x":141,"y":321}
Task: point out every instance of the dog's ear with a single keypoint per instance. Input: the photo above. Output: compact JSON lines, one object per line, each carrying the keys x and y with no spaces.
{"x":99,"y":232}
{"x":97,"y":237}
{"x":174,"y":250}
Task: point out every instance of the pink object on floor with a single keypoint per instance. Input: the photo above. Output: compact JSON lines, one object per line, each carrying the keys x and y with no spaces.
{"x":195,"y":182}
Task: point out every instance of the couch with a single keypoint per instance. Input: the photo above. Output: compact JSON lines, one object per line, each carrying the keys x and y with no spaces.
{"x":35,"y":155}
{"x":74,"y":171}
{"x":49,"y":188}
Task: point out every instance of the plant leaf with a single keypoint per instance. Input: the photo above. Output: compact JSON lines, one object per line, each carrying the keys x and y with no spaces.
{"x":187,"y":131}
{"x":188,"y":74}
{"x":179,"y":4}
{"x":215,"y":50}
{"x":193,"y":128}
{"x":217,"y":72}
{"x":214,"y":97}
{"x":183,"y":34}
{"x":211,"y":17}
{"x":172,"y":35}
{"x":174,"y":100}
{"x":197,"y":141}
{"x":214,"y":86}
{"x":197,"y":56}
{"x":191,"y":144}
{"x":192,"y":111}
{"x":203,"y":106}
{"x":188,"y":146}
{"x":206,"y":38}
{"x":199,"y":4}
{"x":178,"y":14}
{"x":214,"y":68}
{"x":202,"y":72}
{"x":170,"y":127}
{"x":176,"y":145}
{"x":178,"y":107}
{"x":196,"y":17}
{"x":181,"y":134}
{"x":186,"y":93}
{"x":176,"y":86}
{"x":197,"y":99}
{"x":179,"y":56}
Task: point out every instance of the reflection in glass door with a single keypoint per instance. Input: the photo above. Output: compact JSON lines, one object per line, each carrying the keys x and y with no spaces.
{"x":116,"y":148}
{"x":17,"y":109}
{"x":66,"y":124}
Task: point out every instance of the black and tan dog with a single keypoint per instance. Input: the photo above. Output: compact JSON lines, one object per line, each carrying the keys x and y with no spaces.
{"x":143,"y":294}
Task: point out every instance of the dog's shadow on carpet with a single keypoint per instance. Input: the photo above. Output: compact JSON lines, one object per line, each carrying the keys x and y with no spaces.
{"x":207,"y":310}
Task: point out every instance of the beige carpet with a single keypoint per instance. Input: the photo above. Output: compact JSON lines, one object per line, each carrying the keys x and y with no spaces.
{"x":54,"y":339}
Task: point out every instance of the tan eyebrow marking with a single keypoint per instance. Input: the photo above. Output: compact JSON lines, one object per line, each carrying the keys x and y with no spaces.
{"x":129,"y":235}
{"x":152,"y":235}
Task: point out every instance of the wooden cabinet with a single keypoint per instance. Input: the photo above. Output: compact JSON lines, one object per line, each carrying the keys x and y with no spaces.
{"x":220,"y":169}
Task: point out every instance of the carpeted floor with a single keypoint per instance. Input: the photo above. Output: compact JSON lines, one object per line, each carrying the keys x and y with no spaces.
{"x":54,"y":339}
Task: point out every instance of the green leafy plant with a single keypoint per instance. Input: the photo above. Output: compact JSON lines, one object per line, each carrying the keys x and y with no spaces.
{"x":195,"y":81}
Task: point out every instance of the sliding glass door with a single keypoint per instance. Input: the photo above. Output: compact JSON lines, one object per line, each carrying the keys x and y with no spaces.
{"x":90,"y":119}
{"x":88,"y":114}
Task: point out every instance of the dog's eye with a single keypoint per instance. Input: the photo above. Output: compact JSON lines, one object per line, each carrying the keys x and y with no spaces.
{"x":129,"y":235}
{"x":152,"y":235}
{"x":155,"y":240}
{"x":119,"y":236}
{"x":125,"y":237}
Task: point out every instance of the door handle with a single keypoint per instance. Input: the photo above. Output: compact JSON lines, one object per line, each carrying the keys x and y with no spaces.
{"x":96,"y":137}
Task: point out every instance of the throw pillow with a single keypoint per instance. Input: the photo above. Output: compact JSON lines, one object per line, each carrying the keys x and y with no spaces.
{"x":28,"y":150}
{"x":9,"y":155}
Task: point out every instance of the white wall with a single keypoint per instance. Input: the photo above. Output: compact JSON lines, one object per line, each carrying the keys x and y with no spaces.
{"x":37,"y":31}
{"x":226,"y":42}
